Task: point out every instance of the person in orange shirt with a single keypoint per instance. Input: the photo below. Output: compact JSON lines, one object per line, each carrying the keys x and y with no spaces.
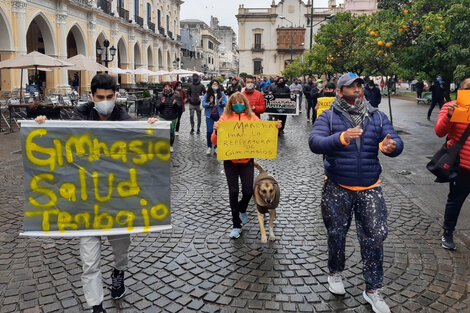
{"x":255,"y":98}
{"x":238,"y":109}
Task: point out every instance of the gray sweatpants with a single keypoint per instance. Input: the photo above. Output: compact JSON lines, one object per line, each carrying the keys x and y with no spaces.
{"x":197,"y":109}
{"x":90,"y":253}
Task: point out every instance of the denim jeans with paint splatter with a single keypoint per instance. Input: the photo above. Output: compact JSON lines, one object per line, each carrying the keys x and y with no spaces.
{"x":338,"y":206}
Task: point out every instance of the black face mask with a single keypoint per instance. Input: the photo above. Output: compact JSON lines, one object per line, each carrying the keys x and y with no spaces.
{"x":329,"y":94}
{"x":310,"y":83}
{"x":350,"y":99}
{"x":281,"y":84}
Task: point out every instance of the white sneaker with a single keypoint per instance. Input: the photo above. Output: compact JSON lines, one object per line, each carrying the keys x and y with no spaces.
{"x":209,"y":151}
{"x":377,"y":301}
{"x":171,"y":149}
{"x":215,"y":151}
{"x":335,"y":284}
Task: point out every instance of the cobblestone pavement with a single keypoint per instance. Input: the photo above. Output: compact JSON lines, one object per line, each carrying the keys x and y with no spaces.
{"x":195,"y":267}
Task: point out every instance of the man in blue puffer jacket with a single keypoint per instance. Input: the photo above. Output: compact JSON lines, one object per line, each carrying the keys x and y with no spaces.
{"x":350,"y":135}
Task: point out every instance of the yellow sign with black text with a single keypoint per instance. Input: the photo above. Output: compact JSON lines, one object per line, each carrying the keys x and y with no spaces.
{"x":324,"y":104}
{"x":246,"y":140}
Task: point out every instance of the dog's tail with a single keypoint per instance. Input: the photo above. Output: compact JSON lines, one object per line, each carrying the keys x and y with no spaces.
{"x":260,"y":169}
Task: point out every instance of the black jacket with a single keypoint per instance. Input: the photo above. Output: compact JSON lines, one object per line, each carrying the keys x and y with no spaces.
{"x":167,"y":109}
{"x":233,"y":89}
{"x":87,"y":112}
{"x":194,"y":91}
{"x":373,"y":96}
{"x":280,"y":91}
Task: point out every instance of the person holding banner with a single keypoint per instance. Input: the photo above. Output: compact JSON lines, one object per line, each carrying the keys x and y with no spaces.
{"x":350,"y":136}
{"x":325,"y":98}
{"x":168,"y":109}
{"x":213,"y":103}
{"x":255,"y":97}
{"x":460,"y":187}
{"x":238,"y":109}
{"x":280,"y":90}
{"x":102,"y":108}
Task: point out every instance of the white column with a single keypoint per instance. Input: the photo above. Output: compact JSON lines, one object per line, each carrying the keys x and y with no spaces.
{"x":132,"y":10}
{"x":114,"y":42}
{"x":91,"y":42}
{"x":19,"y":11}
{"x":144,"y":14}
{"x":62,"y":22}
{"x":131,"y":55}
{"x":114,"y":8}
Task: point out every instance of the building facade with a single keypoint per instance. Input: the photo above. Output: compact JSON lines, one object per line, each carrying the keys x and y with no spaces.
{"x":228,"y":50}
{"x":270,"y":38}
{"x":145,"y":33}
{"x":200,"y":50}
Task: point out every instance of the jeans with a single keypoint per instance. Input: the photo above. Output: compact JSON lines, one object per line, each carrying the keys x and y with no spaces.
{"x":197,"y":109}
{"x":177,"y":126}
{"x":338,"y":206}
{"x":90,"y":254}
{"x":246,"y":173}
{"x":210,"y":128}
{"x":459,"y":191}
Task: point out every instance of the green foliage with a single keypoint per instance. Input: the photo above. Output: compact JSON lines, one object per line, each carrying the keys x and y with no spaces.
{"x":243,"y":75}
{"x":220,"y":79}
{"x":414,"y":39}
{"x":146,"y":94}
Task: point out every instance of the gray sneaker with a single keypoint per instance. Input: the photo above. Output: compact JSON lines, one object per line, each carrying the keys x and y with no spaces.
{"x":376,"y":300}
{"x":335,"y":284}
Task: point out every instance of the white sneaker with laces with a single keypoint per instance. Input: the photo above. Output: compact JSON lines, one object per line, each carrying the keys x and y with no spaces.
{"x":171,"y":149}
{"x":209,"y":151}
{"x":376,"y":300}
{"x":215,"y":151}
{"x":335,"y":284}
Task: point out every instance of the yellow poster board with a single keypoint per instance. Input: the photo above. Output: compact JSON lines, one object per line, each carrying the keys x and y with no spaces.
{"x":324,"y":104}
{"x":462,"y":112}
{"x":247,"y":139}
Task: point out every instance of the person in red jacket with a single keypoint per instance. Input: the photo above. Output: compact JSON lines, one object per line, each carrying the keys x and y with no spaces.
{"x":460,"y":187}
{"x":238,"y":109}
{"x":255,"y":98}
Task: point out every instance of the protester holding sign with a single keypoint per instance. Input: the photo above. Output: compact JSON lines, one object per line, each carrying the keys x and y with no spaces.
{"x":238,"y":109}
{"x":213,"y":102}
{"x":325,"y":98}
{"x":102,"y":108}
{"x":280,"y":90}
{"x":460,"y":187}
{"x":168,"y":109}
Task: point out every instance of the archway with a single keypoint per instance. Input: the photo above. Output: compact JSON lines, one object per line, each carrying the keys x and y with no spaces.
{"x":40,"y":37}
{"x":160,"y":59}
{"x":6,"y":47}
{"x":100,"y":43}
{"x":122,"y":59}
{"x":137,"y":60}
{"x":76,"y":45}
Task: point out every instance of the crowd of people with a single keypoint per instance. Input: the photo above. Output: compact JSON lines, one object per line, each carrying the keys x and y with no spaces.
{"x":349,"y":135}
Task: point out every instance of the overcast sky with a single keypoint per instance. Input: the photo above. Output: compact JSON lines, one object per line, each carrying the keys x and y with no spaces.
{"x":225,"y":10}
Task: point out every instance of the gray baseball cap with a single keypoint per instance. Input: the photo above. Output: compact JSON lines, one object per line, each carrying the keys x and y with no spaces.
{"x":347,"y":79}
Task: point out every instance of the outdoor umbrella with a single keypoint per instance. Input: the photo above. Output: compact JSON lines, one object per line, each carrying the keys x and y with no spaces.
{"x":32,"y":60}
{"x":142,"y":71}
{"x":160,"y":73}
{"x":82,"y":63}
{"x":117,"y":70}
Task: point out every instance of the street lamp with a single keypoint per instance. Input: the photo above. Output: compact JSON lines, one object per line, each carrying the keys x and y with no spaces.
{"x":291,"y":35}
{"x":112,"y":52}
{"x":328,"y":17}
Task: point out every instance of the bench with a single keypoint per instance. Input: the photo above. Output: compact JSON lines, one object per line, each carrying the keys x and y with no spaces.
{"x":426,"y":98}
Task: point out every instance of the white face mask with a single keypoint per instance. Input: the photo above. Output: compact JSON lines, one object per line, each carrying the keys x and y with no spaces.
{"x":319,"y":86}
{"x":215,"y":87}
{"x":250,"y":86}
{"x":104,"y":107}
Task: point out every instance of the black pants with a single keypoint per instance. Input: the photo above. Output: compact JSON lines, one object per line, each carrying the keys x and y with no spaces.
{"x":246,"y":173}
{"x":283,"y":119}
{"x":311,"y":106}
{"x":177,"y":127}
{"x":433,"y":104}
{"x":419,"y":93}
{"x":459,"y":191}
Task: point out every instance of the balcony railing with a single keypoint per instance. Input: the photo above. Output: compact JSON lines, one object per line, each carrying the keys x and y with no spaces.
{"x":257,"y":48}
{"x":161,"y":30}
{"x":105,"y":6}
{"x":139,"y":20}
{"x":151,"y":26}
{"x":170,"y":34}
{"x":124,"y":14}
{"x":86,"y":3}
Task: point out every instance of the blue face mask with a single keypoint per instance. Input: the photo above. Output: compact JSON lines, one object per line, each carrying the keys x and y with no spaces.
{"x":238,"y":107}
{"x":195,"y":80}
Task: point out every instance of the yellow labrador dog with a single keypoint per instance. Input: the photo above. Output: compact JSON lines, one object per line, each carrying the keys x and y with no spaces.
{"x":266,"y":194}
